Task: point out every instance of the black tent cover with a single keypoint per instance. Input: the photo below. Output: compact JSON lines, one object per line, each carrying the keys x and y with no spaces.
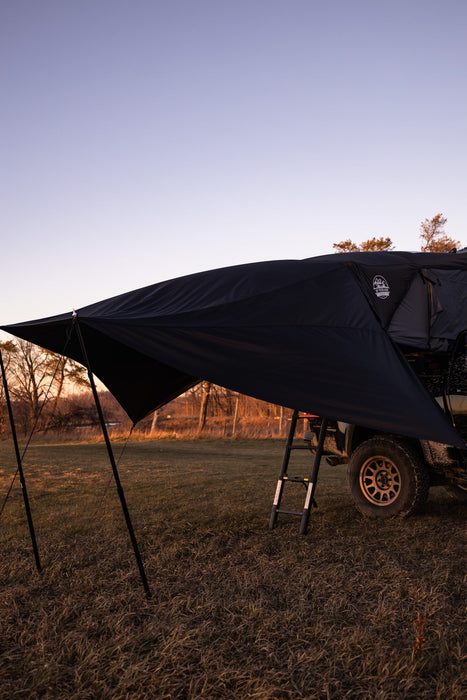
{"x":320,"y":335}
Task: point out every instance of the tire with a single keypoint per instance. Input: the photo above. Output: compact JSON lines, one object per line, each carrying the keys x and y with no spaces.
{"x":387,"y":478}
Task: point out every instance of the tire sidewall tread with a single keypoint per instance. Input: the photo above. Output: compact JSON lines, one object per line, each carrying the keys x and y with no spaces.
{"x":415,"y":481}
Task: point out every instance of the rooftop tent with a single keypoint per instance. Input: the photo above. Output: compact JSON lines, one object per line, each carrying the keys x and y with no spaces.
{"x":318,"y":335}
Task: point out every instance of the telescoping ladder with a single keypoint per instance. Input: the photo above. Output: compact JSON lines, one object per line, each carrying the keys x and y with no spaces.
{"x":310,"y":481}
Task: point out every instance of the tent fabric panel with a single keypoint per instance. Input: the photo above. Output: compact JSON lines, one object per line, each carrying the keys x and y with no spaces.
{"x":233,"y":284}
{"x":139,"y":383}
{"x":450,"y":290}
{"x":385,"y":286}
{"x":377,"y":388}
{"x":333,"y":300}
{"x":410,"y":324}
{"x":307,"y":334}
{"x":205,"y":290}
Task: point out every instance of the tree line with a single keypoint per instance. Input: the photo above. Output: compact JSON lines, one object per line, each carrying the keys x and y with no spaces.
{"x":433,"y":236}
{"x":39,"y":383}
{"x":47,"y":390}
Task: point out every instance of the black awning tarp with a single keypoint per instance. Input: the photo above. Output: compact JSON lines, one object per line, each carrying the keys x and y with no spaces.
{"x":313,"y":335}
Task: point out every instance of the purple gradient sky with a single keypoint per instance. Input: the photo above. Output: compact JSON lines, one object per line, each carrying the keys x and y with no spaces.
{"x":146,"y":139}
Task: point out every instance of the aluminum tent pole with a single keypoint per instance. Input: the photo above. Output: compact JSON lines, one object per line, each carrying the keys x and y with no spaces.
{"x":20,"y":468}
{"x":116,"y":476}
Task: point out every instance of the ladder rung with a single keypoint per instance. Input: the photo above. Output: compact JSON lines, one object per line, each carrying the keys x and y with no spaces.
{"x":308,"y":482}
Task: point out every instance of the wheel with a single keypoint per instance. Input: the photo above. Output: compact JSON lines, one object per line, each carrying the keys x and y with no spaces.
{"x":386,"y":478}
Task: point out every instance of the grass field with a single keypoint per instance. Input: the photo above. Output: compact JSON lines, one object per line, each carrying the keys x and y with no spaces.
{"x":355,"y":609}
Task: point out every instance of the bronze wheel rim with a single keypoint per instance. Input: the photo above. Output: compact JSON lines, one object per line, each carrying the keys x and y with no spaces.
{"x":380,"y":480}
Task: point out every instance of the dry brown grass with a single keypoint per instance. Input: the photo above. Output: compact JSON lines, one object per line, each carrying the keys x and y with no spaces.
{"x":180,"y":427}
{"x":236,"y":611}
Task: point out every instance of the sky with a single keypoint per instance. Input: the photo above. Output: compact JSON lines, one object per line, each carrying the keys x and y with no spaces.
{"x":143,"y":140}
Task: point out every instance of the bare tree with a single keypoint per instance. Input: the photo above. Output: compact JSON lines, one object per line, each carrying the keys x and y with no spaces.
{"x":35,"y":375}
{"x":203,"y":411}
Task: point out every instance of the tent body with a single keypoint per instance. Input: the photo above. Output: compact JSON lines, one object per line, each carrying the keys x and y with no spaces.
{"x":321,"y":335}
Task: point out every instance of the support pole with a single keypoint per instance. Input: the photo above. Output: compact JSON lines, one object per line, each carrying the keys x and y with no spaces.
{"x":313,"y":477}
{"x":116,"y":476}
{"x":20,"y":469}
